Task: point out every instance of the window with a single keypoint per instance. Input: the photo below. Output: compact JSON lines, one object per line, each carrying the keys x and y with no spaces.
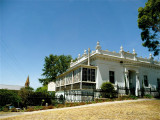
{"x":76,"y":75}
{"x":93,"y":75}
{"x":84,"y":78}
{"x":111,"y":76}
{"x":145,"y":81}
{"x":158,"y":83}
{"x":88,"y":74}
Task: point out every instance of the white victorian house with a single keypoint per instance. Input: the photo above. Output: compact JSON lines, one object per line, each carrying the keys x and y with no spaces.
{"x":123,"y":69}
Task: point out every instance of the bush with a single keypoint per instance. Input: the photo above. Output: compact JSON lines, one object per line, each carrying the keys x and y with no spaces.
{"x":76,"y":104}
{"x":123,"y":97}
{"x":82,"y":103}
{"x":50,"y":107}
{"x":89,"y":102}
{"x":8,"y":97}
{"x":30,"y":109}
{"x":108,"y":90}
{"x":14,"y":110}
{"x":60,"y":106}
{"x":148,"y":96}
{"x":44,"y":107}
{"x":5,"y":109}
{"x":1,"y":108}
{"x":133,"y":97}
{"x":38,"y":108}
{"x":31,"y":98}
{"x":69,"y":104}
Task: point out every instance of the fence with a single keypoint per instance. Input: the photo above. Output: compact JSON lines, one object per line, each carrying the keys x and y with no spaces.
{"x":141,"y":92}
{"x":149,"y":91}
{"x":90,"y":94}
{"x":79,"y":95}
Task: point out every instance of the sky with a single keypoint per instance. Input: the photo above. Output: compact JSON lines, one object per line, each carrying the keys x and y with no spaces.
{"x":33,"y":29}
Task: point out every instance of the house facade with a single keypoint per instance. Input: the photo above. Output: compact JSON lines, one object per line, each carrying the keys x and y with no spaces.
{"x":122,"y":69}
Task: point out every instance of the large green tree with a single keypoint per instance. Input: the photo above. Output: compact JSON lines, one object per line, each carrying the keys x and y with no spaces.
{"x":149,"y":23}
{"x":54,"y":65}
{"x":9,"y":97}
{"x":24,"y":94}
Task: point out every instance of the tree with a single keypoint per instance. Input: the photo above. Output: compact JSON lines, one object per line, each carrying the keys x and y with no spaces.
{"x":25,"y":93}
{"x":43,"y":89}
{"x":149,"y":23}
{"x":108,"y":89}
{"x":54,"y":66}
{"x":9,"y":97}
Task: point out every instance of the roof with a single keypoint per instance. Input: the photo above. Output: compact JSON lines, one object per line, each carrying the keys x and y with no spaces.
{"x":121,"y":56}
{"x":10,"y":87}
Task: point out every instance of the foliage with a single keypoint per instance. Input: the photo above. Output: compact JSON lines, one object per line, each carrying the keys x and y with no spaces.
{"x":101,"y":99}
{"x":30,"y":109}
{"x":8,"y":97}
{"x":14,"y":110}
{"x":149,"y":23}
{"x":60,"y":106}
{"x":123,"y":97}
{"x":38,"y":107}
{"x":1,"y":108}
{"x":108,"y":88}
{"x":43,"y":89}
{"x":148,"y":96}
{"x":24,"y":93}
{"x":5,"y":109}
{"x":50,"y":107}
{"x":133,"y":97}
{"x":54,"y":66}
{"x":29,"y":97}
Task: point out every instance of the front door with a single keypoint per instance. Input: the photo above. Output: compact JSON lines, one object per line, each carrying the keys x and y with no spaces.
{"x":132,"y":82}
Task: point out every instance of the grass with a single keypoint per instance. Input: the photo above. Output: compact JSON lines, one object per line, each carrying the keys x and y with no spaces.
{"x":141,"y":110}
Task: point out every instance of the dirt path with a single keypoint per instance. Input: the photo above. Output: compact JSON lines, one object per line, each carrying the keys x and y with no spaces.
{"x":7,"y":115}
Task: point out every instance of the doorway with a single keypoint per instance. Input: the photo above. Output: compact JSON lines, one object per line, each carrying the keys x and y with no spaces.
{"x":132,"y":81}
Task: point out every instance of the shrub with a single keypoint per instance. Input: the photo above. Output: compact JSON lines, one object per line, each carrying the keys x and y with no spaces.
{"x":31,"y":98}
{"x":5,"y":109}
{"x":1,"y":108}
{"x":123,"y":97}
{"x":82,"y":103}
{"x":50,"y":107}
{"x":14,"y":110}
{"x":108,"y":90}
{"x":60,"y":106}
{"x":76,"y":104}
{"x":148,"y":96}
{"x":8,"y":97}
{"x":38,"y":107}
{"x":30,"y":109}
{"x":132,"y":97}
{"x":70,"y":104}
{"x":43,"y":108}
{"x":54,"y":102}
{"x":89,"y":102}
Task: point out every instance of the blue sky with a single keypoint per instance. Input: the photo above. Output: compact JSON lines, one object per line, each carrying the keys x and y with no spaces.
{"x":33,"y":29}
